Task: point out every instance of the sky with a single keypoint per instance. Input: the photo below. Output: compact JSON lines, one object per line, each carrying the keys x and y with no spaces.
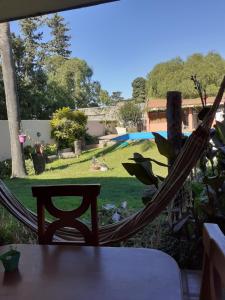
{"x":125,"y":39}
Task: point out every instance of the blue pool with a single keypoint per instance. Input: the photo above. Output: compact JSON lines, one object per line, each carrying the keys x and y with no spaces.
{"x":141,"y":136}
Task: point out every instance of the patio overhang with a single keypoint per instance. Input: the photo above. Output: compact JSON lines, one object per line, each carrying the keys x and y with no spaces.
{"x":14,"y":9}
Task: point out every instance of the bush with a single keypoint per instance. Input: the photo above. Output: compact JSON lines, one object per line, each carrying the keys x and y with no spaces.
{"x":68,"y":126}
{"x":5,"y":168}
{"x":90,"y":139}
{"x":130,"y":114}
{"x":29,"y":167}
{"x":13,"y":232}
{"x":28,"y":150}
{"x":50,"y":149}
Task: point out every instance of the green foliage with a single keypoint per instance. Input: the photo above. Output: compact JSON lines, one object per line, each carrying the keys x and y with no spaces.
{"x":142,"y":170}
{"x":61,"y":41}
{"x":50,"y":149}
{"x":28,"y":150}
{"x":47,"y":78}
{"x":5,"y":168}
{"x":130,"y":114}
{"x":104,"y":98}
{"x":139,"y":90}
{"x":164,"y":146}
{"x":29,"y":167}
{"x":116,"y":96}
{"x":70,"y":84}
{"x":175,"y":75}
{"x":12,"y":232}
{"x":90,"y":139}
{"x":68,"y":125}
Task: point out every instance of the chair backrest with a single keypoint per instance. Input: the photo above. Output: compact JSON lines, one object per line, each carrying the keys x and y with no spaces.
{"x":213,"y":276}
{"x":67,"y":218}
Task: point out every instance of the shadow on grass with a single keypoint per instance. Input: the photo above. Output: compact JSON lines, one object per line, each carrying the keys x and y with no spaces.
{"x":113,"y":190}
{"x":88,"y":157}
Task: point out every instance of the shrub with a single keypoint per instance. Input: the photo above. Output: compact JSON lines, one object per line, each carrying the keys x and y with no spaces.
{"x":5,"y":168}
{"x":50,"y":149}
{"x":130,"y":114}
{"x":29,"y":167}
{"x":28,"y":150}
{"x":90,"y":139}
{"x":67,"y":126}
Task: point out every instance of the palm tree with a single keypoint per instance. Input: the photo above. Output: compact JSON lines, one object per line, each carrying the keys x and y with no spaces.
{"x":12,"y":103}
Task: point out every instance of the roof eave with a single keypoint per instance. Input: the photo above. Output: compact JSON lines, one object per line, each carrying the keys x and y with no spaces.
{"x":53,"y":10}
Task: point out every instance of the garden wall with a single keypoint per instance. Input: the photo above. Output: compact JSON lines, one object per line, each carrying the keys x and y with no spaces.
{"x":31,"y":127}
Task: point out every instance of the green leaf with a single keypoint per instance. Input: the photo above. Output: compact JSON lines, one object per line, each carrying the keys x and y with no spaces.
{"x":164,"y":146}
{"x":141,"y":173}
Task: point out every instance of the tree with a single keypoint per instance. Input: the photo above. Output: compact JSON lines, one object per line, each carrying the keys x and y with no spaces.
{"x":61,"y":41}
{"x":116,"y":96}
{"x":94,"y":93}
{"x":139,"y":90}
{"x":28,"y":51}
{"x":175,"y":75}
{"x":12,"y":104}
{"x":72,"y":78}
{"x":130,"y":114}
{"x":104,"y":98}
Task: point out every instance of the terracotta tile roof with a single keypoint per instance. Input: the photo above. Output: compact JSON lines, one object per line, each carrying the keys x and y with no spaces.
{"x":160,"y":104}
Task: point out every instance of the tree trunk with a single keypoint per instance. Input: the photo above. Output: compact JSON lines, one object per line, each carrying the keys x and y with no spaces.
{"x":12,"y":104}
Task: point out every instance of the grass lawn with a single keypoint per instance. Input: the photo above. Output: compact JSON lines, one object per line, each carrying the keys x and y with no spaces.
{"x":116,"y":184}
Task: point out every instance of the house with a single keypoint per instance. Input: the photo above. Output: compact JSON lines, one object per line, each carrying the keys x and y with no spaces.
{"x":156,"y":113}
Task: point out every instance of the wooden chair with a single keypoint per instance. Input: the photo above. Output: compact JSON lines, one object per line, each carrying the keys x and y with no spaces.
{"x":213,"y":275}
{"x":69,"y":219}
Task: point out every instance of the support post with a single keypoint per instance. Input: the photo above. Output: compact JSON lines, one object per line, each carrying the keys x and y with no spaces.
{"x":174,"y":133}
{"x":174,"y":120}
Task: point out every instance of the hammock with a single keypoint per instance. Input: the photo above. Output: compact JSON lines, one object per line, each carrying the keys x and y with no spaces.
{"x":109,"y":234}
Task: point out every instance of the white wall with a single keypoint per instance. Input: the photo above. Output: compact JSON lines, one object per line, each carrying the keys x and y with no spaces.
{"x":31,"y":127}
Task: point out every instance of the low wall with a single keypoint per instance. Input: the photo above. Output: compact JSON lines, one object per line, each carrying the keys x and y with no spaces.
{"x":31,"y":127}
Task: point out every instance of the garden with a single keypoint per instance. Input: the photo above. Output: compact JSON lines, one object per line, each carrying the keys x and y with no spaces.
{"x":130,"y":175}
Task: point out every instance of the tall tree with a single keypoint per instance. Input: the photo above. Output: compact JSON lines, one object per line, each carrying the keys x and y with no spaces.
{"x":104,"y":98}
{"x":28,"y":50}
{"x":139,"y":90}
{"x":60,"y":43}
{"x":116,"y":96}
{"x":12,"y":104}
{"x":71,"y":80}
{"x":175,"y":75}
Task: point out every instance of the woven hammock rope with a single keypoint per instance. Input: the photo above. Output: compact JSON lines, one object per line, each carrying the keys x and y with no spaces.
{"x":108,"y":234}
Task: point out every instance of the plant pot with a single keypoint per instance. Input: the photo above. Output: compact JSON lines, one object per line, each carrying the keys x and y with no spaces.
{"x":38,"y":162}
{"x":22,"y":138}
{"x":10,"y":260}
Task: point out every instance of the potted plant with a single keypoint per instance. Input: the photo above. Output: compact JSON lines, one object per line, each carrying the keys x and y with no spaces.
{"x":10,"y":260}
{"x":38,"y":158}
